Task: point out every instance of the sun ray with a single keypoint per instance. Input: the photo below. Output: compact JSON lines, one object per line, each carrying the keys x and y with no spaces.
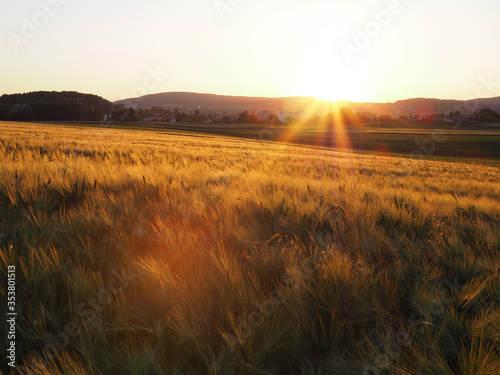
{"x":298,"y":125}
{"x":340,"y":132}
{"x":329,"y":130}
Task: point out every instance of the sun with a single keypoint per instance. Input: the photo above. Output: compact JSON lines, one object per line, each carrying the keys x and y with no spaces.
{"x":322,"y":79}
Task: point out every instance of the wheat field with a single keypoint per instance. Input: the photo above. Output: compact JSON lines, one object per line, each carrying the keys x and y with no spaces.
{"x":141,"y":252}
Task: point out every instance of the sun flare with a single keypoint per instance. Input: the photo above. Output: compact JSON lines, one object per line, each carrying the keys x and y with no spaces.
{"x":331,"y":82}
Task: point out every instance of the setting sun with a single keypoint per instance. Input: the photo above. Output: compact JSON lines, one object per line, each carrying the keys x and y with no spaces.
{"x":329,"y":81}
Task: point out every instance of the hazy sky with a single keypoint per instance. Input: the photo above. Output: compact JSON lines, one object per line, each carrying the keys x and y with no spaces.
{"x":334,"y":49}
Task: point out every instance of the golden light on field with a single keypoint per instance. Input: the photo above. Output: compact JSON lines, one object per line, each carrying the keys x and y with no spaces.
{"x":241,"y":240}
{"x":328,"y":132}
{"x":340,"y":136}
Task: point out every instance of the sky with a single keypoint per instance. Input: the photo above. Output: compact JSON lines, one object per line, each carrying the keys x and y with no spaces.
{"x":371,"y":50}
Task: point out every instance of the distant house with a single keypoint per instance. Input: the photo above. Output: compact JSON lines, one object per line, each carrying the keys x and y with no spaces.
{"x":285,"y":116}
{"x":154,"y":119}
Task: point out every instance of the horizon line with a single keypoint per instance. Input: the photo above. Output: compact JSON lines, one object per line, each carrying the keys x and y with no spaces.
{"x":258,"y":97}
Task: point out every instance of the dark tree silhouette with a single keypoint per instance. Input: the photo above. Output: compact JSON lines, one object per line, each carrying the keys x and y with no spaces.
{"x":273,"y":119}
{"x":243,"y":118}
{"x":5,"y":112}
{"x":55,"y":106}
{"x":488,"y":115}
{"x":132,"y":116}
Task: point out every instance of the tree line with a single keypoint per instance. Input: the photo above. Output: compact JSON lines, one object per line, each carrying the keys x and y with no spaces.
{"x":53,"y":106}
{"x":74,"y":106}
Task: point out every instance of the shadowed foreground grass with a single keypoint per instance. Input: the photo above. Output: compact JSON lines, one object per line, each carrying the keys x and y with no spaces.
{"x":152,"y":253}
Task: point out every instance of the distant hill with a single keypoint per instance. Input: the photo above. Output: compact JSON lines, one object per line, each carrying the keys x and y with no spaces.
{"x":215,"y":102}
{"x":53,"y":106}
{"x":429,"y":106}
{"x":75,"y":106}
{"x":224,"y":103}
